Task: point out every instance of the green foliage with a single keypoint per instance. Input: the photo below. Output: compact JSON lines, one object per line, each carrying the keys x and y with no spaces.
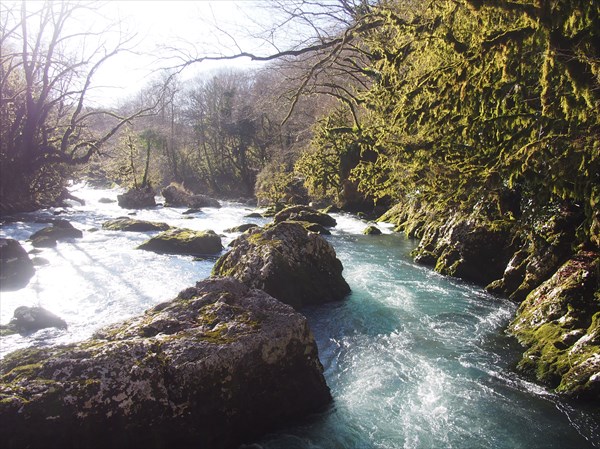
{"x":474,"y":102}
{"x":274,"y":184}
{"x":321,"y":166}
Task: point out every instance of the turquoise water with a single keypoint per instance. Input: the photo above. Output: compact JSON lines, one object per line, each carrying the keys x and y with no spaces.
{"x":418,"y":360}
{"x":413,"y":359}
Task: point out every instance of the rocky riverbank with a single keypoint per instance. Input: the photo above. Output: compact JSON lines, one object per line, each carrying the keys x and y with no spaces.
{"x":546,"y":267}
{"x":217,"y":366}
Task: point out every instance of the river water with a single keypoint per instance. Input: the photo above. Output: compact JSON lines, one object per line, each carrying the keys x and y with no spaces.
{"x":414,"y":359}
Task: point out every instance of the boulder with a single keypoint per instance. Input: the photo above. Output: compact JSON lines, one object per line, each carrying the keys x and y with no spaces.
{"x":133,"y":225}
{"x":288,"y":262}
{"x":559,"y":324}
{"x":60,"y":230}
{"x":547,"y":247}
{"x":106,"y":200}
{"x":467,"y":249}
{"x":304,"y":213}
{"x":16,"y":268}
{"x":219,"y":365}
{"x":253,"y":215}
{"x":178,"y":197}
{"x":184,"y":241}
{"x":137,"y":198}
{"x":30,"y":319}
{"x":242,"y":228}
{"x":372,"y":230}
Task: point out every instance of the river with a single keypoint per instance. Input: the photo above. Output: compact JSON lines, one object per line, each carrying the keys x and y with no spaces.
{"x":414,"y":359}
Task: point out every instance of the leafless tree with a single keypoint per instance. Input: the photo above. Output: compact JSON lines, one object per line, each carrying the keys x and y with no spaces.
{"x":47,"y":64}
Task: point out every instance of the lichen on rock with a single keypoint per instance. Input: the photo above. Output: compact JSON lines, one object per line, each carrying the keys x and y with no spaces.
{"x":288,"y":262}
{"x":218,"y":365}
{"x":559,"y":324}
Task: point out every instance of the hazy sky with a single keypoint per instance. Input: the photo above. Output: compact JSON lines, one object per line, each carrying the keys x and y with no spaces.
{"x":187,"y":26}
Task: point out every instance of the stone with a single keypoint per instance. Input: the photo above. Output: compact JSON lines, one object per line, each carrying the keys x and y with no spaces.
{"x":559,"y":325}
{"x":16,"y":268}
{"x":176,"y":196}
{"x":304,"y":213}
{"x":185,"y":242}
{"x":30,"y":319}
{"x":466,"y":249}
{"x":288,"y":262}
{"x":242,"y":228}
{"x":372,"y":230}
{"x":253,"y":215}
{"x":60,"y":230}
{"x":106,"y":201}
{"x":137,"y":198}
{"x":218,"y":365}
{"x":133,"y":225}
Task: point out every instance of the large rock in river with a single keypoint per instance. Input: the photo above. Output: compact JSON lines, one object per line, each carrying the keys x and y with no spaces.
{"x":219,"y":365}
{"x":134,"y":225}
{"x":60,"y":230}
{"x":288,"y":262}
{"x":16,"y":269}
{"x":304,"y":213}
{"x":559,"y":323}
{"x":137,"y":198}
{"x":30,"y":319}
{"x":178,"y":197}
{"x":184,"y":241}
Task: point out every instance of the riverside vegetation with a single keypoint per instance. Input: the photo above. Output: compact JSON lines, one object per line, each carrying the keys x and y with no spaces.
{"x":470,"y":126}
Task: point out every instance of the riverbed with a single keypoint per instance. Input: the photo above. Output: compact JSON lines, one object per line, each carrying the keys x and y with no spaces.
{"x":414,"y":359}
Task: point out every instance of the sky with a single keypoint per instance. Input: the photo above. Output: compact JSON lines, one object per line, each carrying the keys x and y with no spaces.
{"x":166,"y":33}
{"x":161,"y":26}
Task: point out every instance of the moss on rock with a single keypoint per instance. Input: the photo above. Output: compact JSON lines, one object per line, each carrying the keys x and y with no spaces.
{"x":288,"y":262}
{"x":305,"y":214}
{"x":133,"y":225}
{"x":558,"y":323}
{"x":184,"y":241}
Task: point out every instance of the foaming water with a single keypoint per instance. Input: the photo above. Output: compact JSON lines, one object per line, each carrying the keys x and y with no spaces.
{"x":413,"y":359}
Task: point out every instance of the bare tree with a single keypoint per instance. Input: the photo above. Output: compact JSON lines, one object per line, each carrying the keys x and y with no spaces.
{"x":46,"y":68}
{"x":316,"y":45}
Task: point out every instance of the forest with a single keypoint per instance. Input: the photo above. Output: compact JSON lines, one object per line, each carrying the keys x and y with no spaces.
{"x":455,"y":105}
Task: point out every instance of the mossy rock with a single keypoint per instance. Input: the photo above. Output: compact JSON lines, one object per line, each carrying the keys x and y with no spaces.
{"x":218,"y":365}
{"x":558,"y":323}
{"x":305,"y":213}
{"x":137,"y":198}
{"x":372,"y":230}
{"x":60,"y":230}
{"x":185,"y":242}
{"x":241,"y":228}
{"x":288,"y":262}
{"x":133,"y":225}
{"x":177,"y":196}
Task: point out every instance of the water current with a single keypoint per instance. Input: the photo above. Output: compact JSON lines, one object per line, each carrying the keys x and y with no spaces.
{"x":413,"y":359}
